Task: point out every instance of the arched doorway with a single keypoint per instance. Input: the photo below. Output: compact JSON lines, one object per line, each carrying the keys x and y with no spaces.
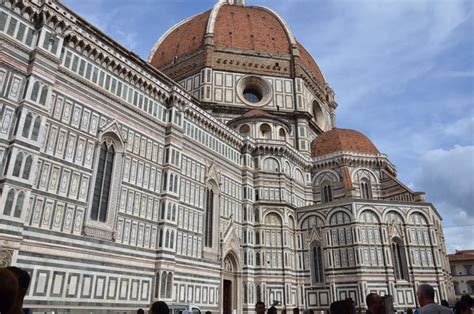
{"x":230,"y":284}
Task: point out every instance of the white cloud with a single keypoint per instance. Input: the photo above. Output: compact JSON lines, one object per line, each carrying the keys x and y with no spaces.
{"x":447,"y":178}
{"x":463,"y":126}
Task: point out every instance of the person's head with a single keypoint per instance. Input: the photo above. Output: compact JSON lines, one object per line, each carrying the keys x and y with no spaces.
{"x":444,"y":303}
{"x":374,"y":302}
{"x":272,"y":310}
{"x":462,"y":307}
{"x":208,"y":312}
{"x":159,"y":307}
{"x":467,"y":298}
{"x":140,"y":311}
{"x":296,"y":311}
{"x":260,"y":307}
{"x":350,"y":306}
{"x":23,"y":280}
{"x":338,"y":307}
{"x":425,"y":294}
{"x":308,"y":312}
{"x":409,"y":311}
{"x":9,"y":290}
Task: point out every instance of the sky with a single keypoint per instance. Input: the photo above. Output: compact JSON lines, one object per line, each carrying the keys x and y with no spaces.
{"x":402,"y":71}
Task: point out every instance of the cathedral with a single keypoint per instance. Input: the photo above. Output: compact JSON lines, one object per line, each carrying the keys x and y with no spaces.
{"x":211,"y":174}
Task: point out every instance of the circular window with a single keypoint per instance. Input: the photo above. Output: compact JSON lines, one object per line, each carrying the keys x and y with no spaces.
{"x":252,"y":95}
{"x":254,"y":91}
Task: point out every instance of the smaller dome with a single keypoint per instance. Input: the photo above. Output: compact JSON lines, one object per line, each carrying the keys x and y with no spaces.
{"x":338,"y":140}
{"x":257,"y":113}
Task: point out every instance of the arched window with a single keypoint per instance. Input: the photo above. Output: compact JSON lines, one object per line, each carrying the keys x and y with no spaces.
{"x":318,"y":114}
{"x":170,"y":188}
{"x":257,"y":259}
{"x":257,"y":237}
{"x":365,"y":189}
{"x":209,"y":218}
{"x":27,"y":168}
{"x":172,"y":240}
{"x":326,"y":193}
{"x":167,"y":241}
{"x":160,"y":243}
{"x":44,"y":94}
{"x":163,"y":210}
{"x":168,"y":215}
{"x":157,"y":285}
{"x":163,"y":285}
{"x":169,"y":285}
{"x":27,"y":125}
{"x":399,"y":259}
{"x":100,"y":201}
{"x":265,"y":131}
{"x":165,"y":178}
{"x":36,"y":129}
{"x":174,"y":212}
{"x":19,"y":205}
{"x":317,"y":266}
{"x":35,"y":91}
{"x":17,"y":166}
{"x":282,"y":135}
{"x":259,"y":293}
{"x":244,"y":130}
{"x":175,"y":185}
{"x":9,"y":203}
{"x":298,"y":176}
{"x":256,"y":215}
{"x":271,"y":164}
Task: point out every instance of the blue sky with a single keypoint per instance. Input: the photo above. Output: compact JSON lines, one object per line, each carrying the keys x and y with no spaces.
{"x":402,"y":70}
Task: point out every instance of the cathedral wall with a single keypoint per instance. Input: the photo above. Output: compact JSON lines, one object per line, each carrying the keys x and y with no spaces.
{"x":78,"y":113}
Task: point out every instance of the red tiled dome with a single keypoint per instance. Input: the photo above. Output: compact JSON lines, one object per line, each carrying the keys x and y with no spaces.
{"x":337,"y":140}
{"x":232,"y":27}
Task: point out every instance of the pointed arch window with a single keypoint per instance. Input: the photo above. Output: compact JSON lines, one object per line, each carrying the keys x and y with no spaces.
{"x":326,"y":193}
{"x":9,"y":203}
{"x":44,"y":95}
{"x":36,"y":129}
{"x":35,"y":91}
{"x":103,"y":181}
{"x":317,"y":265}
{"x":209,"y":217}
{"x":163,"y":285}
{"x":19,"y":205}
{"x":27,"y":125}
{"x":157,"y":285}
{"x":365,"y":189}
{"x":17,"y":166}
{"x":399,"y":259}
{"x":169,"y":285}
{"x":27,"y":168}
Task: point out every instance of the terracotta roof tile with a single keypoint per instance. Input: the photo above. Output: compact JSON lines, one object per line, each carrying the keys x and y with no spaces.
{"x":337,"y":140}
{"x":250,"y":28}
{"x":308,"y":61}
{"x":184,"y":40}
{"x":236,"y":27}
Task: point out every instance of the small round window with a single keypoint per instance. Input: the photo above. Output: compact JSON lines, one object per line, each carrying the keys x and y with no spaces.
{"x":254,"y":91}
{"x":252,"y":95}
